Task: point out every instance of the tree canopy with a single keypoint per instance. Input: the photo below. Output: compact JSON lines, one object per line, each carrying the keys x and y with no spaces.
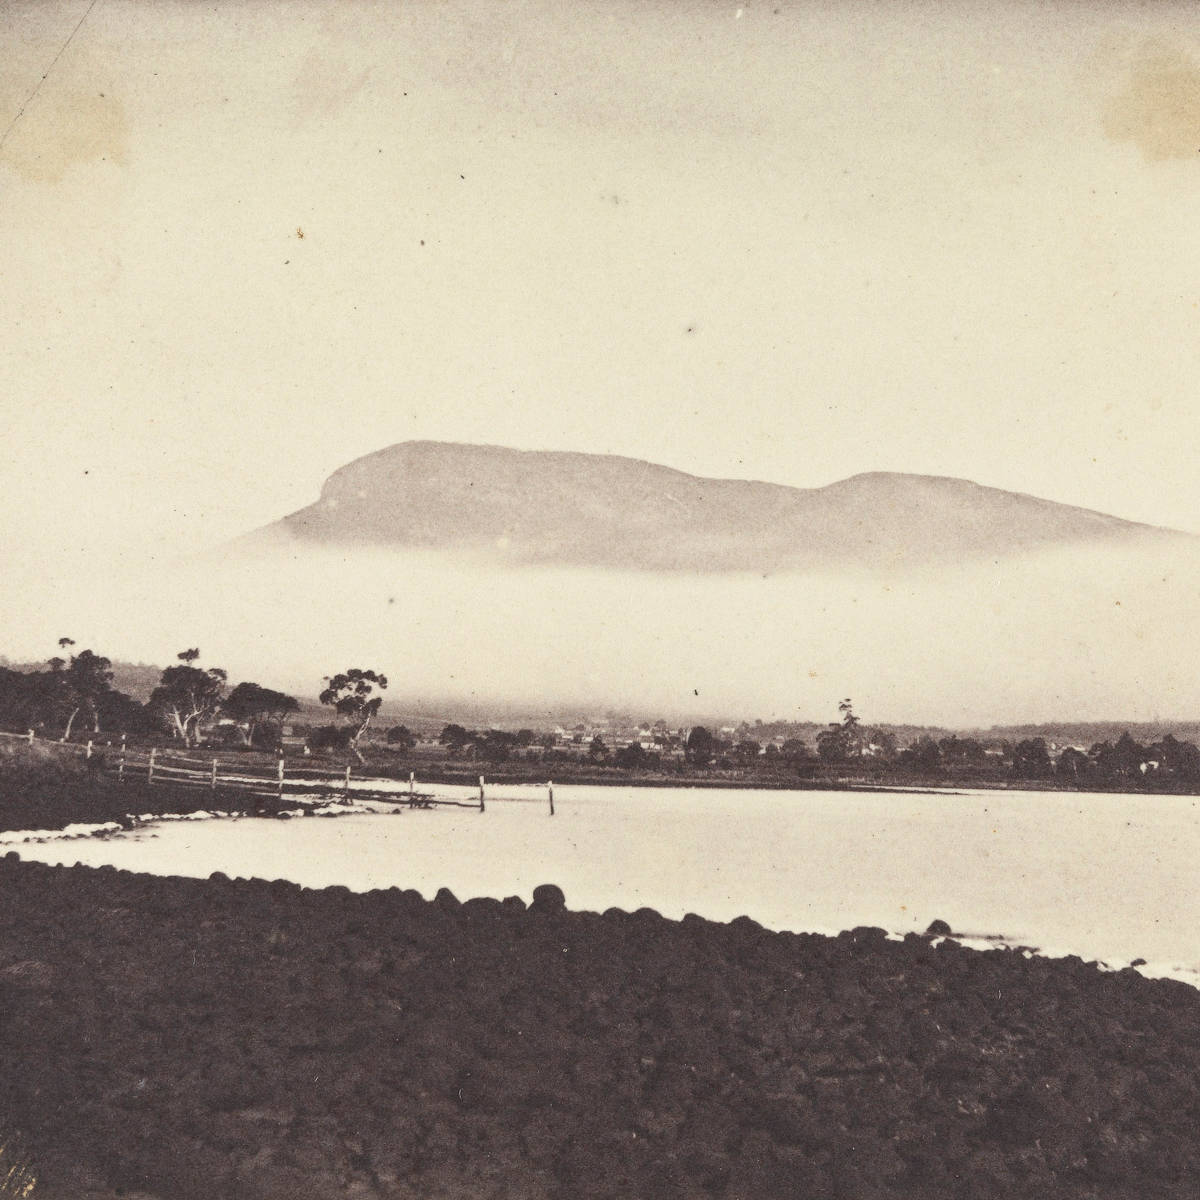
{"x":79,"y":686}
{"x":256,"y":707}
{"x":454,"y":737}
{"x":401,"y":738}
{"x":354,"y":695}
{"x":188,"y":695}
{"x":843,"y":739}
{"x":700,"y":747}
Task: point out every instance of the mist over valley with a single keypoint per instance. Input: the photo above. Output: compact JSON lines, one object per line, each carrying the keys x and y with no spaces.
{"x":930,"y":601}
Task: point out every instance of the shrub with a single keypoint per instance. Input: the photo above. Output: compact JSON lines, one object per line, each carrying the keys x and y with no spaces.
{"x":401,"y":738}
{"x":329,"y":737}
{"x":267,"y":736}
{"x":24,"y":767}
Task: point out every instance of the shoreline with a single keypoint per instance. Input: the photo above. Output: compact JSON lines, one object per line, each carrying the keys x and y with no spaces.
{"x":50,"y":807}
{"x":499,"y":776}
{"x":45,"y":793}
{"x":241,"y":1038}
{"x":977,"y":941}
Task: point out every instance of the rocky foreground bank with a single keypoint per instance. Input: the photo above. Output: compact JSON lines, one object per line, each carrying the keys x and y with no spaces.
{"x":180,"y":1039}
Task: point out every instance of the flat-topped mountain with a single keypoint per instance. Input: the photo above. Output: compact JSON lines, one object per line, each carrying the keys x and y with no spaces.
{"x":599,"y":510}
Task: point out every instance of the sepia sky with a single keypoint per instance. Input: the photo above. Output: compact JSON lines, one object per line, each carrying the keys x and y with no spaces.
{"x":244,"y":243}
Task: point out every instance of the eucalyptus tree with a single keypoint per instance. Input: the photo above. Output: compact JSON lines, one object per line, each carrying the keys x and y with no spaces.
{"x":188,"y":695}
{"x":256,"y":707}
{"x":354,"y":695}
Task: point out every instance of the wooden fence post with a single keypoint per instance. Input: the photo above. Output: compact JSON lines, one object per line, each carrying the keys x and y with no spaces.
{"x":550,"y":789}
{"x":280,"y":792}
{"x":88,"y":752}
{"x":31,"y":737}
{"x":212,"y":782}
{"x":347,"y":787}
{"x":411,"y":784}
{"x":121,"y":766}
{"x":150,"y":767}
{"x":481,"y":806}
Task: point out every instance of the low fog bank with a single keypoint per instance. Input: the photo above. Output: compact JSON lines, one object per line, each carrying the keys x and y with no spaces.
{"x":1086,"y":634}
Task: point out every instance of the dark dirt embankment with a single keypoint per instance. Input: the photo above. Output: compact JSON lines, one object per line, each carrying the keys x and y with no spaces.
{"x":40,"y":789}
{"x":195,"y":1040}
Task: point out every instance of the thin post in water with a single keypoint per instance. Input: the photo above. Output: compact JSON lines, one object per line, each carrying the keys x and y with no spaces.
{"x":481,"y":805}
{"x":347,"y":784}
{"x":212,"y":782}
{"x":121,"y":764}
{"x":150,"y":766}
{"x":280,"y":789}
{"x":550,"y":789}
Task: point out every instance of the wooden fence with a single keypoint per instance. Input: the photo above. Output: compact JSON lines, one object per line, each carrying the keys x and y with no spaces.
{"x":168,"y":767}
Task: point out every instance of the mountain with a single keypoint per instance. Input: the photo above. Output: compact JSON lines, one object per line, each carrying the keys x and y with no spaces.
{"x":554,"y":507}
{"x":928,"y":600}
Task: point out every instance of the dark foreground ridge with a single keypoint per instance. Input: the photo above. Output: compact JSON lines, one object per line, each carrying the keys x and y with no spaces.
{"x":182,"y":1039}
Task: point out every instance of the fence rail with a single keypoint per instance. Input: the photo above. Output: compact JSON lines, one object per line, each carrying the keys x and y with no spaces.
{"x":170,"y":768}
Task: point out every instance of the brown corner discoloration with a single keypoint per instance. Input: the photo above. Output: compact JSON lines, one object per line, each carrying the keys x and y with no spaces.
{"x":65,"y":128}
{"x":1158,"y":109}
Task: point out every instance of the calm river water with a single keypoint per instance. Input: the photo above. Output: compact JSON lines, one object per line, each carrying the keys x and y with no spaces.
{"x":1102,"y":876}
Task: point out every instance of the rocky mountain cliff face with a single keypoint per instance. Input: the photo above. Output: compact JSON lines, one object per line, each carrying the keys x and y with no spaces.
{"x":607,"y":511}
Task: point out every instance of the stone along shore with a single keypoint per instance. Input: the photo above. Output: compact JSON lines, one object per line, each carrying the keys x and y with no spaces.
{"x":176,"y":1039}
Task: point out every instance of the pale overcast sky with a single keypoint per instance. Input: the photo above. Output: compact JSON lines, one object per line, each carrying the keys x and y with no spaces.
{"x":244,"y":243}
{"x":783,"y":241}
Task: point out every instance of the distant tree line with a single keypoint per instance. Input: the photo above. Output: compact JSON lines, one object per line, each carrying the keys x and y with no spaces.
{"x":189,"y":703}
{"x":74,"y":692}
{"x":70,"y":692}
{"x":490,"y":745}
{"x":77,"y":691}
{"x":847,"y":743}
